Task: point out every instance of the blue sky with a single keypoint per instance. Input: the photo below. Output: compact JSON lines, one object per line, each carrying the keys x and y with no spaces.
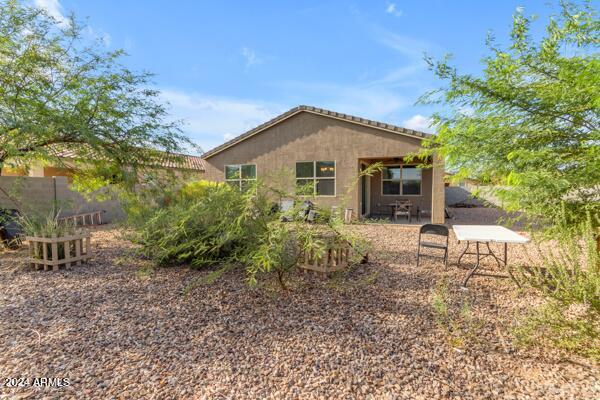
{"x":226,"y":67}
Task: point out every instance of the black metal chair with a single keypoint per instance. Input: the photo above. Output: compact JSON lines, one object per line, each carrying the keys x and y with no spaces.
{"x":437,"y":230}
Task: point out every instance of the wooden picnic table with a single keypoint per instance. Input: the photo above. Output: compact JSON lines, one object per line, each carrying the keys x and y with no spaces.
{"x":484,"y":235}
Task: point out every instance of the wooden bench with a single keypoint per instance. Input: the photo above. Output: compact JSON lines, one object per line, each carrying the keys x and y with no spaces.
{"x":83,"y":219}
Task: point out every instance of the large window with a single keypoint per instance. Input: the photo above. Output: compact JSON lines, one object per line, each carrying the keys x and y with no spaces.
{"x":316,"y":177}
{"x":401,"y":181}
{"x":240,"y":176}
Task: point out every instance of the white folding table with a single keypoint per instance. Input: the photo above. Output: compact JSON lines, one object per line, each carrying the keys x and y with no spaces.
{"x":484,"y":235}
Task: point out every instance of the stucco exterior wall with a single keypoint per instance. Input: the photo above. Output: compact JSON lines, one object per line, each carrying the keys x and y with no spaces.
{"x":310,"y":137}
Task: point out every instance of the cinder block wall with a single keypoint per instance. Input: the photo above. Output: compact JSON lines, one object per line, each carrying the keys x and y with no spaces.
{"x":39,"y":194}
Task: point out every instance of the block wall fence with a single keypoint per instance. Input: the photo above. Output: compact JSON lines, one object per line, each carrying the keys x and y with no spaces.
{"x":38,"y":195}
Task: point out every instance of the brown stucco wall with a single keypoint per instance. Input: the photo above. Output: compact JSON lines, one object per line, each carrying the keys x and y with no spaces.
{"x":306,"y":137}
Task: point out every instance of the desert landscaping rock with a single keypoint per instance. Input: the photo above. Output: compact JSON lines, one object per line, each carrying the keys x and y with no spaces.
{"x":369,"y":333}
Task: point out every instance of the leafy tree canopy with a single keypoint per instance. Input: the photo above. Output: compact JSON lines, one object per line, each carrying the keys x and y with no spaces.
{"x":529,"y":123}
{"x":60,"y":91}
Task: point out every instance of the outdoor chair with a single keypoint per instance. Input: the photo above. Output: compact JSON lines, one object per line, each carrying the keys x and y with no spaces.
{"x":433,"y":230}
{"x":422,"y":213}
{"x":401,"y":208}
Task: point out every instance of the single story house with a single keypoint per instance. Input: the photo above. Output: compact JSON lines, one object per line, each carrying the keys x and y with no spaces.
{"x":328,"y":150}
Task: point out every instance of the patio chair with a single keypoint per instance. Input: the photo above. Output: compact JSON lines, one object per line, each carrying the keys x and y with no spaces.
{"x":401,"y":208}
{"x":422,"y":213}
{"x":435,"y":230}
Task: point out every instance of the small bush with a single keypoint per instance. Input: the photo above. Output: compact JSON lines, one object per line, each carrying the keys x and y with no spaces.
{"x":456,"y":320}
{"x":45,"y":225}
{"x":568,"y":277}
{"x":48,"y":225}
{"x":574,"y":329}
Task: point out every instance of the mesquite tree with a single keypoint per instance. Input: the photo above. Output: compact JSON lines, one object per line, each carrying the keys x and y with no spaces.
{"x":59,"y":90}
{"x":529,"y":123}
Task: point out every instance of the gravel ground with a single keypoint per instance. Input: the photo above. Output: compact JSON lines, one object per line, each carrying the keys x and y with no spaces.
{"x":367,"y":333}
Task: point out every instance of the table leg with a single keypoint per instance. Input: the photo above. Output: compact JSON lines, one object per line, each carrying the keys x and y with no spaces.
{"x":490,"y":252}
{"x":472,"y":271}
{"x":509,"y":269}
{"x":463,"y":253}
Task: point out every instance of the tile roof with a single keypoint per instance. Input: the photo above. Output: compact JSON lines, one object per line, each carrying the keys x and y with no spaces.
{"x":168,"y":160}
{"x":319,"y":111}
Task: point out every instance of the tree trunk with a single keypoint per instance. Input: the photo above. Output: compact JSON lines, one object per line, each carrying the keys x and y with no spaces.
{"x":280,"y":279}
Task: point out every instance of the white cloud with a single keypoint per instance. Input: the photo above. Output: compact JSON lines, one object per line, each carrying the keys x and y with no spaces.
{"x":54,"y":9}
{"x":411,"y":47}
{"x":210,"y":120}
{"x":402,"y":76}
{"x":367,"y":100}
{"x":393,"y":10}
{"x":100,"y":35}
{"x":251,"y":57}
{"x":106,"y":39}
{"x":418,"y":123}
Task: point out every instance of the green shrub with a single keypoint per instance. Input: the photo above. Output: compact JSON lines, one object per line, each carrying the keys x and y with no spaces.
{"x":205,"y":232}
{"x":48,"y":225}
{"x":574,"y":329}
{"x":568,"y":277}
{"x":209,"y":224}
{"x":196,"y":190}
{"x":45,"y":225}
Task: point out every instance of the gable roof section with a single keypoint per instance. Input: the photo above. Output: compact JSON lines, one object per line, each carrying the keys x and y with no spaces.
{"x":319,"y":111}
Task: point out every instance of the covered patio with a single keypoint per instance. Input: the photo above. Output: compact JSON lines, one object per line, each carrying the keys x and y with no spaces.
{"x":402,"y":193}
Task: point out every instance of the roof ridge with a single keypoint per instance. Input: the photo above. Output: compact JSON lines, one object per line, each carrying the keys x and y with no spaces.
{"x":320,"y":111}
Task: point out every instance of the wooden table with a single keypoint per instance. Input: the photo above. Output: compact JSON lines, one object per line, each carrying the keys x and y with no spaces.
{"x":484,"y":235}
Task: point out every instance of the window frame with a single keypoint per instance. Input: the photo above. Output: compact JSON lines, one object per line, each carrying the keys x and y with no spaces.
{"x":315,"y":178}
{"x":401,"y":166}
{"x":240,"y":179}
{"x":391,"y":180}
{"x":402,"y":180}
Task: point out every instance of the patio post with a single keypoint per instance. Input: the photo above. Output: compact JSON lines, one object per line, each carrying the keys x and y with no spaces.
{"x":438,"y":201}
